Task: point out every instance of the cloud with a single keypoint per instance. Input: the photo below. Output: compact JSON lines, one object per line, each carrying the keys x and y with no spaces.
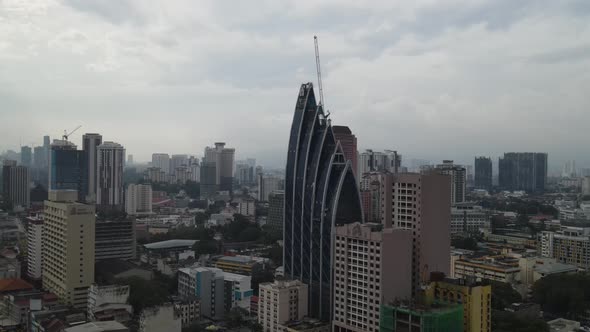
{"x":431,"y":79}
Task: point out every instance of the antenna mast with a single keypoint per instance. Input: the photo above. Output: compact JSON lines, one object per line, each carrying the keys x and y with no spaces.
{"x":319,"y":72}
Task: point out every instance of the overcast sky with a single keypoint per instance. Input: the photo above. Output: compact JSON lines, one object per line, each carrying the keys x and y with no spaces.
{"x":431,"y":79}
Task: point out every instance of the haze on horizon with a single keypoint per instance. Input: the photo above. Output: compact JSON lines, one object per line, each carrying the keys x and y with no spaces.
{"x":432,"y":79}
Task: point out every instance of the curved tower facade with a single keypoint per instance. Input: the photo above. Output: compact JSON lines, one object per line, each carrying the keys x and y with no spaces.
{"x":320,"y":193}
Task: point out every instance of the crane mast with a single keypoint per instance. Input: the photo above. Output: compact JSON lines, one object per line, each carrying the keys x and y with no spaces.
{"x":319,"y":73}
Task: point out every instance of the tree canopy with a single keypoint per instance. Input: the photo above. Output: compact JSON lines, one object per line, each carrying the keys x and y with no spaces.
{"x":566,"y":295}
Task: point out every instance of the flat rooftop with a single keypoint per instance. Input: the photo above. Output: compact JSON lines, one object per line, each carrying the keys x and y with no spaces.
{"x":169,"y":244}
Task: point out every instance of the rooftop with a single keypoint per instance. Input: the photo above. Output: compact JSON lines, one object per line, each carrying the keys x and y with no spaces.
{"x":552,"y":268}
{"x":11,"y":285}
{"x":236,"y":259}
{"x":169,"y":244}
{"x":98,"y":327}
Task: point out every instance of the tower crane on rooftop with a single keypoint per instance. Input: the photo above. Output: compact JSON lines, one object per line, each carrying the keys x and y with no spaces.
{"x":66,"y":135}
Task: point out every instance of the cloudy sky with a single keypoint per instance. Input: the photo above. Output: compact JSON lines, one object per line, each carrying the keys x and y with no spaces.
{"x":431,"y":79}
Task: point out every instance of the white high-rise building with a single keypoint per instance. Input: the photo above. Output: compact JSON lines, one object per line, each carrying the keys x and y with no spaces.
{"x":178,"y":160}
{"x":280,"y":302}
{"x":161,"y":161}
{"x":138,"y":199}
{"x":374,"y":161}
{"x":109,"y":176}
{"x":68,"y":247}
{"x":34,"y":247}
{"x":223,"y":158}
{"x":90,"y":143}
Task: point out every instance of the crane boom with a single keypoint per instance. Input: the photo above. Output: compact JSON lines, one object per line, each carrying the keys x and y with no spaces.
{"x":66,"y":134}
{"x":319,"y":71}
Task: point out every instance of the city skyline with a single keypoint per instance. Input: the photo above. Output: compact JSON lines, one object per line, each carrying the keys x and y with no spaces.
{"x":417,"y":80}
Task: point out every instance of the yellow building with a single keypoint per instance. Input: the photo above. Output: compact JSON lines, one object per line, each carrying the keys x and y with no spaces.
{"x":68,"y":247}
{"x":237,"y":264}
{"x":476,"y":299}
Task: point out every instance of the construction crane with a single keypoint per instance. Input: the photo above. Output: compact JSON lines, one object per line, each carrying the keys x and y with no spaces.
{"x":319,"y":71}
{"x":66,"y":134}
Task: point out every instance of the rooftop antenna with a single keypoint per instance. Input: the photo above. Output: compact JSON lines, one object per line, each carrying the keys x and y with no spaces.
{"x":319,"y":71}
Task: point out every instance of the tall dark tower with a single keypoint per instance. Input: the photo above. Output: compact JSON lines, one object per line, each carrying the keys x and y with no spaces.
{"x":320,"y":193}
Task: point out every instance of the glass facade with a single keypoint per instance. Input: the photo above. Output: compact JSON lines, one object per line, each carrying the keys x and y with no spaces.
{"x":69,"y":171}
{"x":320,"y":193}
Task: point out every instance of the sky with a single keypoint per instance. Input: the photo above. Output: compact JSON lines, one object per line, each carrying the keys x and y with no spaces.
{"x":431,"y":79}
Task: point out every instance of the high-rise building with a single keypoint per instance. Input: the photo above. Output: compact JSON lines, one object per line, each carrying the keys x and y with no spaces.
{"x":47,"y":147}
{"x":523,"y":171}
{"x":178,"y":160}
{"x":34,"y":247}
{"x":115,"y":240}
{"x":16,"y":182}
{"x":68,"y":247}
{"x":129,"y":159}
{"x":373,"y":161}
{"x":155,"y":175}
{"x":344,"y":135}
{"x":586,"y":186}
{"x":280,"y":302}
{"x":109,"y":177}
{"x":26,"y":156}
{"x":223,"y":158}
{"x":268,"y":184}
{"x":483,"y":173}
{"x":421,"y":203}
{"x":162,"y":161}
{"x":208,"y":179}
{"x":274,"y":220}
{"x":372,"y":265}
{"x":39,"y":157}
{"x":68,"y":168}
{"x":371,"y":195}
{"x":458,"y":179}
{"x":138,"y":199}
{"x":90,"y":143}
{"x":244,"y":173}
{"x":320,"y":192}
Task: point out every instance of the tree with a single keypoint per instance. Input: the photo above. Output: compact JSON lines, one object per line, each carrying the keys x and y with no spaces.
{"x":260,"y":276}
{"x":201,"y":218}
{"x":275,"y":253}
{"x":503,"y":295}
{"x":192,"y":189}
{"x":467,"y":243}
{"x":566,"y":295}
{"x":145,"y":293}
{"x":503,"y":321}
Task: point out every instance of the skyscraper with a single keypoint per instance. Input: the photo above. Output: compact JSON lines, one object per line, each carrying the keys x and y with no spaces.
{"x":162,"y":161}
{"x":348,"y":141}
{"x":268,"y":184}
{"x":26,"y":156}
{"x":421,"y":203}
{"x":208,"y":179}
{"x":458,"y":179}
{"x":223,"y":158}
{"x":276,"y":202}
{"x":68,"y":247}
{"x":320,"y":193}
{"x":39,"y":157}
{"x":138,"y":199}
{"x":16,"y":184}
{"x":483,"y":173}
{"x":523,"y":171}
{"x":68,"y":168}
{"x":34,"y":247}
{"x":178,"y":160}
{"x":109,"y":177}
{"x":90,"y":143}
{"x":374,"y":161}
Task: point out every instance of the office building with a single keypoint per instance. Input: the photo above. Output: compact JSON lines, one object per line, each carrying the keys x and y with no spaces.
{"x":238,"y":264}
{"x":34,"y":247}
{"x":320,"y":191}
{"x":207,"y":284}
{"x":115,"y":240}
{"x":268,"y":184}
{"x":245,"y":173}
{"x":208,"y":179}
{"x":412,"y":317}
{"x":16,"y":182}
{"x":274,"y":220}
{"x":39,"y":157}
{"x":161,"y":161}
{"x":371,"y":265}
{"x":68,"y":247}
{"x":421,"y":203}
{"x":475,"y":297}
{"x":523,"y":171}
{"x":68,"y":169}
{"x":347,"y":140}
{"x":26,"y":156}
{"x":47,"y":148}
{"x":90,"y":143}
{"x":570,"y":245}
{"x":280,"y":302}
{"x":224,"y":165}
{"x":468,"y":218}
{"x":138,"y":199}
{"x":247,"y":207}
{"x":483,"y":173}
{"x":458,"y":179}
{"x":237,"y":291}
{"x":374,"y":161}
{"x":110,"y":163}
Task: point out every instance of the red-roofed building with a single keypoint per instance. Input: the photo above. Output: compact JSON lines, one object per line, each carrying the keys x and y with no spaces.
{"x":8,"y":286}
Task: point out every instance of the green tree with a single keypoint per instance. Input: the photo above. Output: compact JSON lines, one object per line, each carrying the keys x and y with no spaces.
{"x":467,"y":243}
{"x":566,"y":295}
{"x":201,"y":218}
{"x":503,"y":321}
{"x":503,"y":295}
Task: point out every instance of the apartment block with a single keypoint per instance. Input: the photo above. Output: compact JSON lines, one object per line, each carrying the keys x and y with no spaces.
{"x":280,"y":302}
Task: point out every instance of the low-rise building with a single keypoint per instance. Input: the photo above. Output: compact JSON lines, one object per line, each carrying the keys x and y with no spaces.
{"x":235,"y":264}
{"x":420,"y":318}
{"x":306,"y":325}
{"x":468,"y":218}
{"x":109,"y":302}
{"x":160,"y":318}
{"x":498,"y":268}
{"x":189,"y":310}
{"x":237,"y":291}
{"x":106,"y":326}
{"x":115,"y":240}
{"x":570,"y":245}
{"x":563,"y":325}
